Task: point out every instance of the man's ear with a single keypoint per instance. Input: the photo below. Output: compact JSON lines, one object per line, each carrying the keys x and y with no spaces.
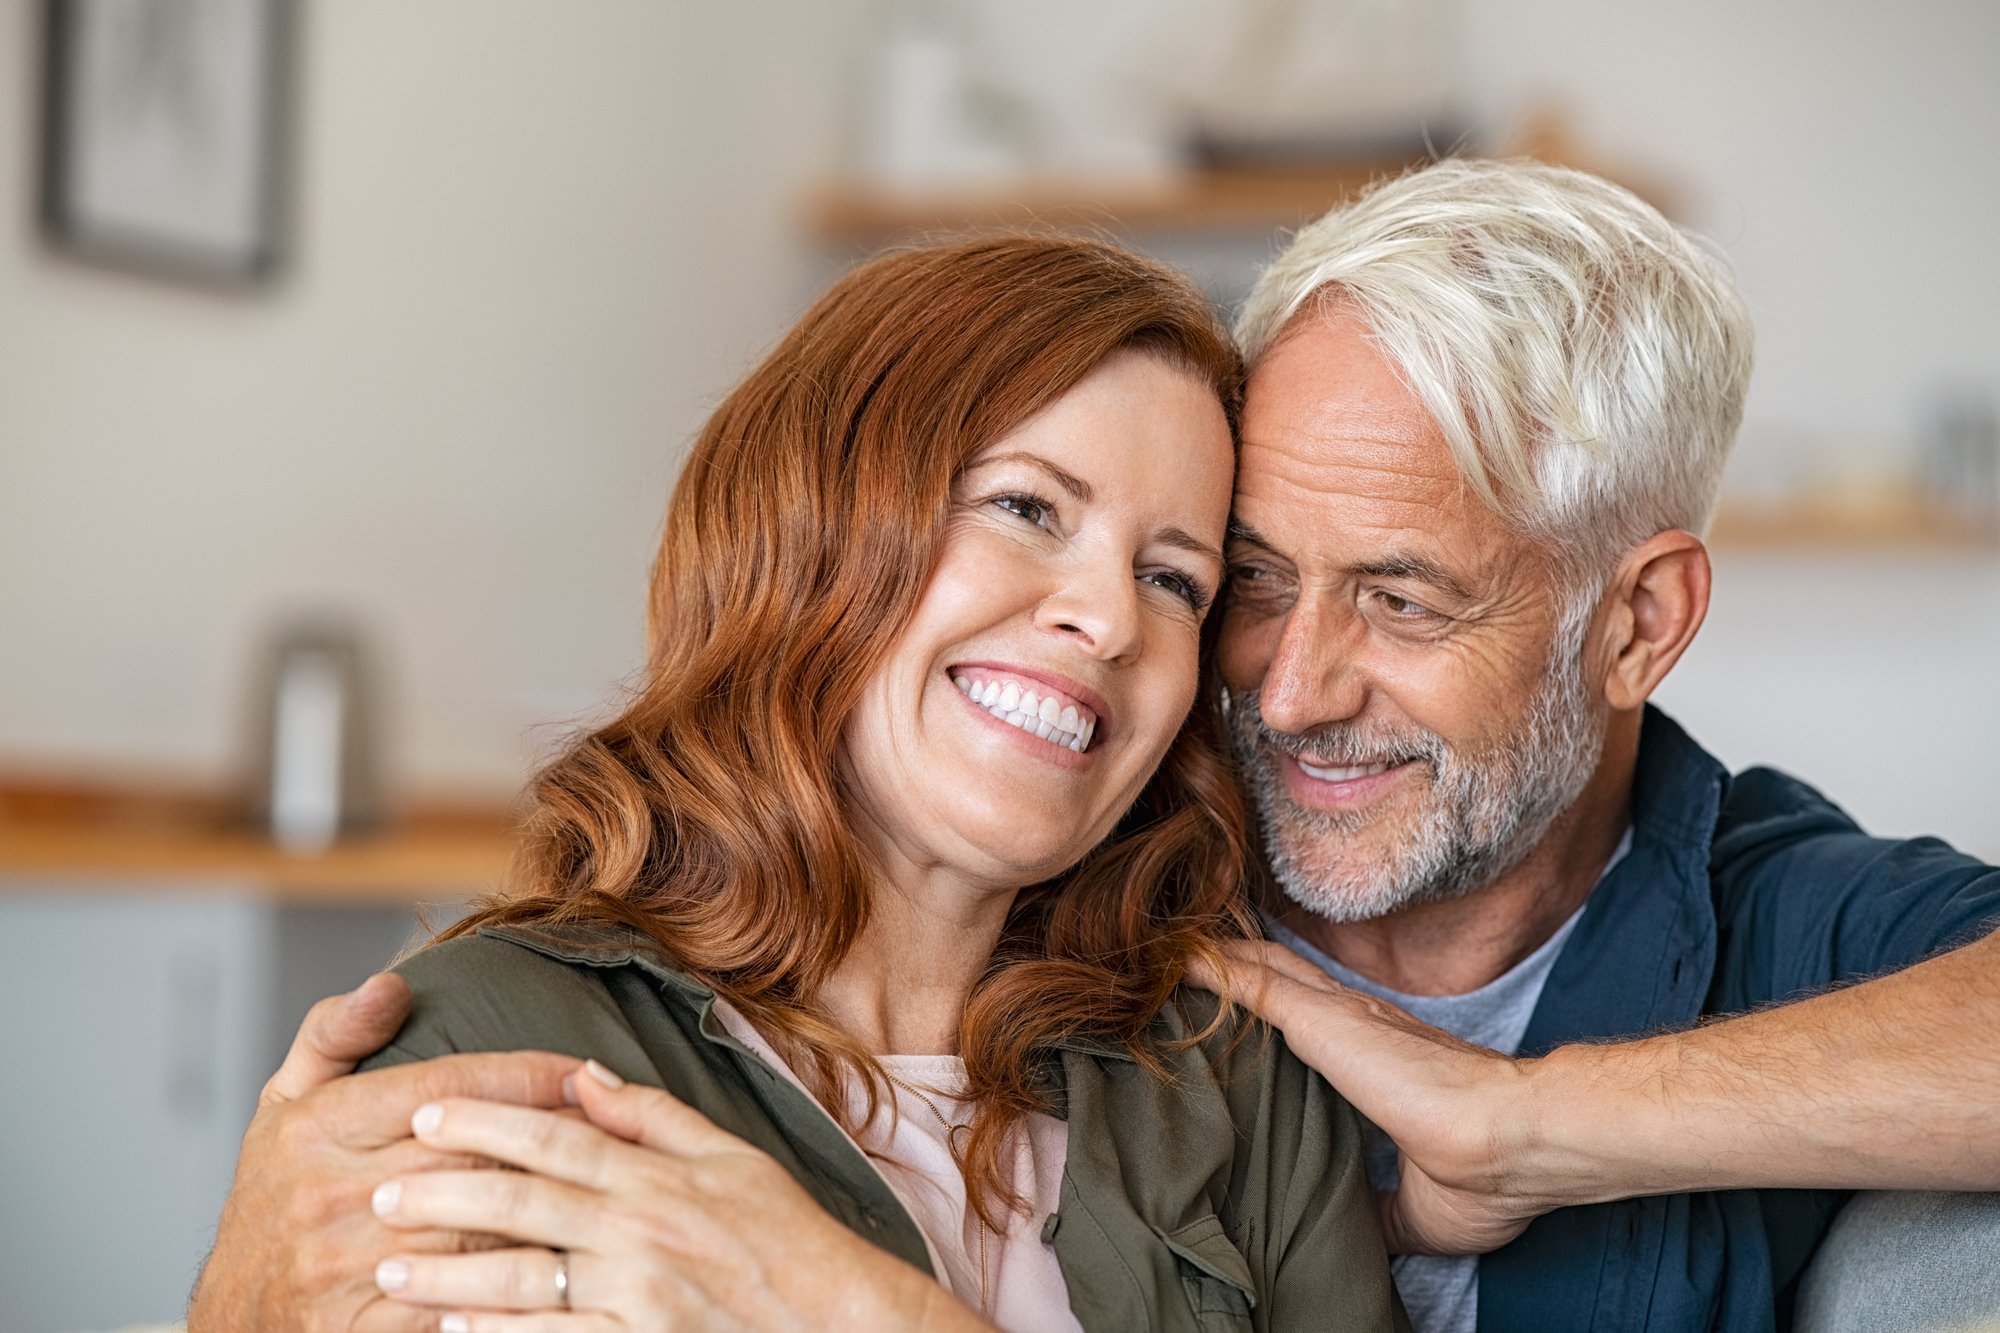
{"x":1656,"y":603}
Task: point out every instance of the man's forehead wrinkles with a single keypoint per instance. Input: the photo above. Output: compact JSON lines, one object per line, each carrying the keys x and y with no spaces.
{"x":1361,"y":474}
{"x":1315,"y":503}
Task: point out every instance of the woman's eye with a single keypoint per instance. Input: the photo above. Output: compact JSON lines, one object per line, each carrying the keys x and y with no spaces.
{"x":1180,"y":586}
{"x":1028,"y":507}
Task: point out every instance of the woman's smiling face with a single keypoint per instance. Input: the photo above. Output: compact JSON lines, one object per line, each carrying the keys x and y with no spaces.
{"x":1054,"y":653}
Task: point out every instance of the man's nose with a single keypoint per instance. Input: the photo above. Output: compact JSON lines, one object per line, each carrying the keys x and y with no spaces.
{"x":1316,"y":675}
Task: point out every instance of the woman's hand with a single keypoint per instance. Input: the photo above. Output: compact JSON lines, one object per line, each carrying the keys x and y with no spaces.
{"x":666,"y":1222}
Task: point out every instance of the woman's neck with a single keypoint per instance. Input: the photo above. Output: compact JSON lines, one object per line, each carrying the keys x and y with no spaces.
{"x":902,"y":988}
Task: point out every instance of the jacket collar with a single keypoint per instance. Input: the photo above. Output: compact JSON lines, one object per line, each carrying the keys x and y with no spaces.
{"x":1644,"y":951}
{"x":594,"y":944}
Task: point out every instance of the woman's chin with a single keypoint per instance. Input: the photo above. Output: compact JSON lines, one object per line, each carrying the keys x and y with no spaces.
{"x":1027,"y":860}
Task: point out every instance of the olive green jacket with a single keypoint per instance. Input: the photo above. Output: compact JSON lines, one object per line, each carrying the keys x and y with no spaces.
{"x":1232,"y":1198}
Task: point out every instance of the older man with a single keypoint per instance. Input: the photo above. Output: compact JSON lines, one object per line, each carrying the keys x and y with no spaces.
{"x":1488,"y":414}
{"x":1489,"y":410}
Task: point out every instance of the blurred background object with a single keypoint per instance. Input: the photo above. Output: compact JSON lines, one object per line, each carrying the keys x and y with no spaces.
{"x":163,"y":126}
{"x":530,"y":245}
{"x":1960,"y":444}
{"x":316,"y":756}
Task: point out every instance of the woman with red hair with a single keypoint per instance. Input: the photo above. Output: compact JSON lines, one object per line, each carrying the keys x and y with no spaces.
{"x":892,"y":868}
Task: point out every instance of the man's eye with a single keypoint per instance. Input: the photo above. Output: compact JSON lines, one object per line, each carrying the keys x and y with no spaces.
{"x":1035,"y":511}
{"x":1402,"y":606}
{"x":1250,"y":579}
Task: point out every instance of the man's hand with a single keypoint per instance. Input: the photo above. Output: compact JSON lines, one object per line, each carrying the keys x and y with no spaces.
{"x":1459,"y":1108}
{"x":1890,"y":1084}
{"x":297,"y":1245}
{"x":339,"y":1032}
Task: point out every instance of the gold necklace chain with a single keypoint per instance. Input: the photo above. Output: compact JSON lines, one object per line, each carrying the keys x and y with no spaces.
{"x":951,"y":1143}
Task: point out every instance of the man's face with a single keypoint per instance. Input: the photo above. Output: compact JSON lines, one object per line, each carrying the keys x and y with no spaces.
{"x":1408,"y":720}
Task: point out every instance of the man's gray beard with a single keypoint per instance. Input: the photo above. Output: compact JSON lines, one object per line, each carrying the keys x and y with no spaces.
{"x":1480,"y":814}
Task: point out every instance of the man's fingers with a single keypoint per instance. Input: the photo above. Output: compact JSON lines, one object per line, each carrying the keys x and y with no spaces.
{"x":649,"y":1116}
{"x":522,"y":1278}
{"x":371,"y":1109}
{"x":337,"y":1033}
{"x":1279,"y":959}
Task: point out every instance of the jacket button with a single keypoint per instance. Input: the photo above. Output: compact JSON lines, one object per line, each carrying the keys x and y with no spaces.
{"x":1049,"y":1226}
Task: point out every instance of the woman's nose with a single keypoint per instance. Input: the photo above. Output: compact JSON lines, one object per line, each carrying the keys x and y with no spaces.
{"x":1099,"y":610}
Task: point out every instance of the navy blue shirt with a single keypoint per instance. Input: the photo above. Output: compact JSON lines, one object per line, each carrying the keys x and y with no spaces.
{"x":1737,"y":892}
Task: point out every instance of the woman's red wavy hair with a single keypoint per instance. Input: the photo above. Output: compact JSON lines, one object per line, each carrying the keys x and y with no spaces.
{"x":804,"y":528}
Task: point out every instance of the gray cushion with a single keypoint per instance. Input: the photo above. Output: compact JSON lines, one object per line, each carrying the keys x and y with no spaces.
{"x":1905,"y":1261}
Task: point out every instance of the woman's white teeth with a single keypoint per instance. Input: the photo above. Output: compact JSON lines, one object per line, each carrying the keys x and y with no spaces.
{"x":1343,"y":774}
{"x":1041,"y":715}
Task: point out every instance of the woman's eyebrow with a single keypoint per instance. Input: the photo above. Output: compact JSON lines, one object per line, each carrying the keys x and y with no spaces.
{"x":1187,"y":541}
{"x":1076,"y":486}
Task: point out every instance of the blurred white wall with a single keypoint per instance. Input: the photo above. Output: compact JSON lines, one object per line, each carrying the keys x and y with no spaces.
{"x":1843,"y":153}
{"x":535,"y":240}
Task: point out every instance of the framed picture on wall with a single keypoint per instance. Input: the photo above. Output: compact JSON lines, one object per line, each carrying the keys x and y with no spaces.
{"x":163,"y":134}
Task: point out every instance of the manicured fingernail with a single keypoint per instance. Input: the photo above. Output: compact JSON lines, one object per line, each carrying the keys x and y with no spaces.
{"x":602,"y":1075}
{"x":454,"y":1323}
{"x":392,"y":1275}
{"x":388,"y":1195}
{"x":428,"y":1117}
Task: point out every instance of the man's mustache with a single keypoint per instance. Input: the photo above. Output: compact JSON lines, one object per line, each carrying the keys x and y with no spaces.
{"x":1347,"y":744}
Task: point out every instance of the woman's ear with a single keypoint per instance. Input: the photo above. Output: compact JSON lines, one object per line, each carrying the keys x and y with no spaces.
{"x":1658,"y":601}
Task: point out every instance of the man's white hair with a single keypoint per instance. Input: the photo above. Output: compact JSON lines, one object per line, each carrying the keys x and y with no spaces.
{"x":1585,"y":359}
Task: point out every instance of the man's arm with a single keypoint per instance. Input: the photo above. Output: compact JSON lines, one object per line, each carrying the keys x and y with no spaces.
{"x":297,"y":1245}
{"x":1889,"y":1084}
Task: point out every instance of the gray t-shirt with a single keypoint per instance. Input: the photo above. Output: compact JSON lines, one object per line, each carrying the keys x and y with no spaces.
{"x":1442,"y":1293}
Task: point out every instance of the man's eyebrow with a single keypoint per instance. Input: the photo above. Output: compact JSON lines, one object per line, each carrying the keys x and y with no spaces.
{"x":1392,"y":567}
{"x":1239,"y":531}
{"x":1418,"y":568}
{"x":1187,"y":541}
{"x":1076,"y":486}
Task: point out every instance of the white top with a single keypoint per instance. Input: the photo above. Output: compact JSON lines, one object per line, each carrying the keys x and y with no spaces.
{"x":1012,"y":1277}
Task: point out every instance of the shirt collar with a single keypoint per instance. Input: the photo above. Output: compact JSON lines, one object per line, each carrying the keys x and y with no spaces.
{"x":1642,"y":957}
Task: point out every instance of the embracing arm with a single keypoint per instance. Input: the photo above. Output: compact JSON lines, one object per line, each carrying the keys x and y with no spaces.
{"x":297,"y":1247}
{"x":1889,"y":1084}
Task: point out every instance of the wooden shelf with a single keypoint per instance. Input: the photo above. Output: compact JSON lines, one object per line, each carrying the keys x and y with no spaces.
{"x":850,"y":213}
{"x":101,"y":836}
{"x":1906,"y":524}
{"x":1243,"y":198}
